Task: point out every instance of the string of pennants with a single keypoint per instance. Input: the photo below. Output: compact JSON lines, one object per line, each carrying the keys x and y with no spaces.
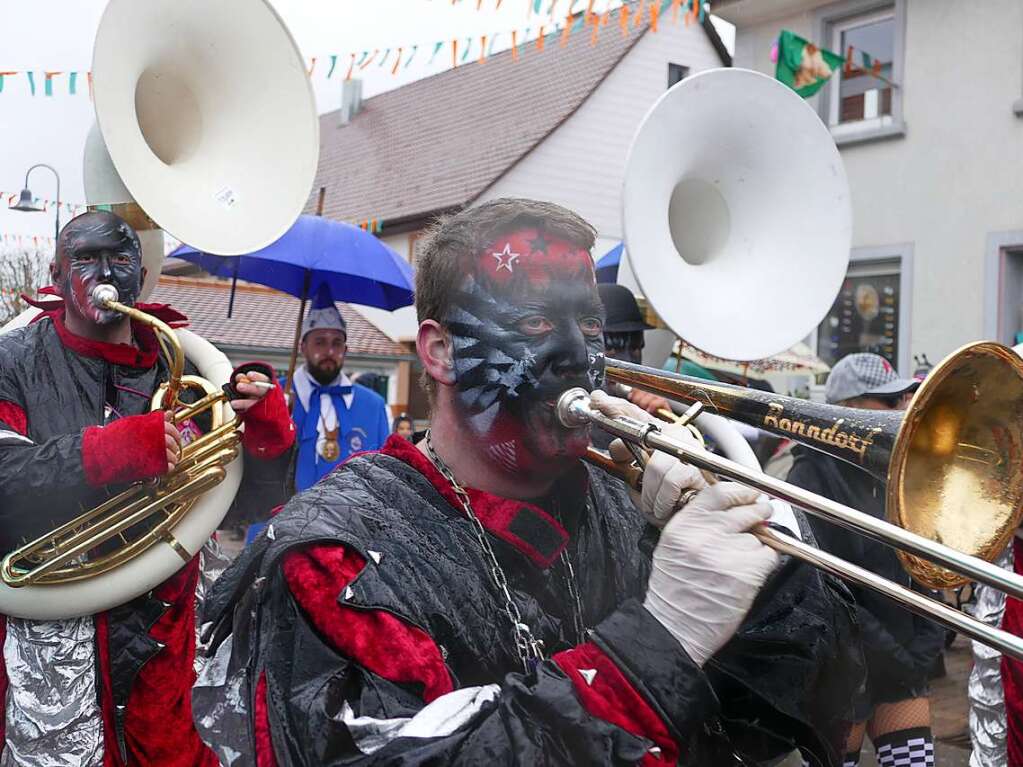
{"x":22,"y":241}
{"x":401,"y":57}
{"x":72,"y":208}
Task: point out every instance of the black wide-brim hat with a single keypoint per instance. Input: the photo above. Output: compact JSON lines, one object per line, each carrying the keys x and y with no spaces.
{"x":622,"y":313}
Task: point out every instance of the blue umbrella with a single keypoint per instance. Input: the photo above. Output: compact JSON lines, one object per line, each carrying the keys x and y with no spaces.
{"x":607,"y":266}
{"x":317,"y":253}
{"x":354,"y":265}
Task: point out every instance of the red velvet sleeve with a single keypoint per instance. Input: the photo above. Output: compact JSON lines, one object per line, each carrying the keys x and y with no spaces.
{"x":269,"y":431}
{"x":14,"y":416}
{"x":1012,"y":670}
{"x":606,"y":694}
{"x":125,"y":450}
{"x":376,"y":640}
{"x":3,"y":676}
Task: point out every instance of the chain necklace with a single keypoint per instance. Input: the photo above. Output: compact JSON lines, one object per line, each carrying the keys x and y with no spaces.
{"x":528,"y":647}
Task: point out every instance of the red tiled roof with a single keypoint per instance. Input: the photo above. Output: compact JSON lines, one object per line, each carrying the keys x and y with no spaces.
{"x":437,"y":143}
{"x":262,"y":318}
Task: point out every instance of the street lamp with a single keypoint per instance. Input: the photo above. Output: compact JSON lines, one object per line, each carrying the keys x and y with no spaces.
{"x":26,"y":203}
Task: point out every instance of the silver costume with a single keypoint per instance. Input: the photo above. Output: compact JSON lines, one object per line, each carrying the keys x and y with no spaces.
{"x":987,"y":699}
{"x":52,"y":710}
{"x":52,"y":713}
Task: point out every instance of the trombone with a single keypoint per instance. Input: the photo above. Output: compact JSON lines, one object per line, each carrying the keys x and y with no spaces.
{"x":953,"y":464}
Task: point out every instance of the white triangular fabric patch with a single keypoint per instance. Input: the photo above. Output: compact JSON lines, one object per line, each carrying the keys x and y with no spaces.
{"x":349,"y":593}
{"x":376,"y":556}
{"x":270,"y":533}
{"x":589,"y":674}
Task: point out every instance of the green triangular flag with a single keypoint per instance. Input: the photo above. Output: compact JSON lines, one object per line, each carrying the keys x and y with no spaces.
{"x":802,"y":65}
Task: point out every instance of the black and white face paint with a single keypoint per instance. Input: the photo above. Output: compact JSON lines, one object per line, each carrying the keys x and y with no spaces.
{"x":98,"y":248}
{"x":526,"y":325}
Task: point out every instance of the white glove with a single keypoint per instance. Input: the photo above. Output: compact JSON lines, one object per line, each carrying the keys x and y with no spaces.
{"x":707,"y":569}
{"x":665,"y":479}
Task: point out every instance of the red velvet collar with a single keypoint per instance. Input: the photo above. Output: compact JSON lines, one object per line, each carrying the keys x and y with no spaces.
{"x":142,"y":356}
{"x":525,"y":526}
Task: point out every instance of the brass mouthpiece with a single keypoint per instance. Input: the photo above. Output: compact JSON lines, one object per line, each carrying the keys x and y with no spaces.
{"x":104,"y":294}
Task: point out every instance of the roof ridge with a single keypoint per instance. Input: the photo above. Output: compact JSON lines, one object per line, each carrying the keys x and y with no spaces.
{"x":500,"y":54}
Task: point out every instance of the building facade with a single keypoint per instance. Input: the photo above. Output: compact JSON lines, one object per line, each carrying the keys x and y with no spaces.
{"x":552,"y":124}
{"x":928,"y":116}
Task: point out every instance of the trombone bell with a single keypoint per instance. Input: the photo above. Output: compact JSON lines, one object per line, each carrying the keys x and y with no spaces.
{"x":956,"y":474}
{"x":952,"y":463}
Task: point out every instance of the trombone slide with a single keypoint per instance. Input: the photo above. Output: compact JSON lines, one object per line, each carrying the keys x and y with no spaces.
{"x":574,"y":411}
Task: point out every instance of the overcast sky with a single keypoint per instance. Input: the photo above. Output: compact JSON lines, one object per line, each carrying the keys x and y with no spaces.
{"x":57,"y":35}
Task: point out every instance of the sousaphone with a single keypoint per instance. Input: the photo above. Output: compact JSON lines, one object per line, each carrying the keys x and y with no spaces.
{"x":206,"y":129}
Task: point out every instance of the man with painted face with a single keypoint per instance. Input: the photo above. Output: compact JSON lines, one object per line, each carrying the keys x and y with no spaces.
{"x":484,"y":596}
{"x":75,"y":385}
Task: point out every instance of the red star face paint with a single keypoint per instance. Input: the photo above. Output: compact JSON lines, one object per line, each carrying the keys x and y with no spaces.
{"x":527,"y":324}
{"x":98,"y":248}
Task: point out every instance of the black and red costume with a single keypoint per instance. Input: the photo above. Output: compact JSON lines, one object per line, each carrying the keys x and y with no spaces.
{"x":111,"y":689}
{"x":365,"y":628}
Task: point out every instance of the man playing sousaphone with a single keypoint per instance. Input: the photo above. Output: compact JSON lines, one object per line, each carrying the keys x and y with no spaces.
{"x":75,"y":391}
{"x":485,"y":597}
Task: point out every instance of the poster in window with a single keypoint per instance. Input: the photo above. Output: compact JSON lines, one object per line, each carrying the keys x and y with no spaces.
{"x":864,"y":318}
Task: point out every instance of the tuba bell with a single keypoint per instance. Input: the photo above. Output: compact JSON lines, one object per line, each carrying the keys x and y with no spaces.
{"x":194,"y":101}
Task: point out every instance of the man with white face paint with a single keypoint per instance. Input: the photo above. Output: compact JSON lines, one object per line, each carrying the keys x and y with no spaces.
{"x":485,"y":596}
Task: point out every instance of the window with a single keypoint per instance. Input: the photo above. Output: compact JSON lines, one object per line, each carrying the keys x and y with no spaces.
{"x":864,"y":101}
{"x":676,"y":73}
{"x":1003,"y":299}
{"x":871,"y":312}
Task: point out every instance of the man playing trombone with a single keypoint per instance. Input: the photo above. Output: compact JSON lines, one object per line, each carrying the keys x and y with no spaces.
{"x":485,"y":596}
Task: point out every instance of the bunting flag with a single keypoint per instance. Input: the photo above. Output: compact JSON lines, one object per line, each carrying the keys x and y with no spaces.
{"x":436,"y":48}
{"x":371,"y":225}
{"x":71,"y":207}
{"x":631,"y":16}
{"x":802,"y":65}
{"x":20,"y":240}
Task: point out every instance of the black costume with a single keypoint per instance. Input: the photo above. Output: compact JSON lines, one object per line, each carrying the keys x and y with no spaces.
{"x":368,"y":602}
{"x":900,"y":648}
{"x":61,"y":398}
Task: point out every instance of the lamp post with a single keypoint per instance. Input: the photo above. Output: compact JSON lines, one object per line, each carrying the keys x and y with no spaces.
{"x":25,"y":201}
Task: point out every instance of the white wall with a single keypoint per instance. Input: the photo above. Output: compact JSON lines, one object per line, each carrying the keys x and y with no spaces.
{"x":957,"y":175}
{"x":399,"y":325}
{"x":582,"y":163}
